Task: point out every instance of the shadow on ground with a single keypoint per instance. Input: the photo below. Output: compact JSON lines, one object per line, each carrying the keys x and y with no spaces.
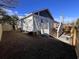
{"x":16,"y":45}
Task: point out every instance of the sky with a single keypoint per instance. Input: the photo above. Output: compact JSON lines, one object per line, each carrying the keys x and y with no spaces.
{"x":69,"y":9}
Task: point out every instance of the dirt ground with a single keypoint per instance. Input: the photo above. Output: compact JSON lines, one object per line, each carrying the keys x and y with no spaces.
{"x":77,"y":46}
{"x":77,"y":49}
{"x":16,"y":45}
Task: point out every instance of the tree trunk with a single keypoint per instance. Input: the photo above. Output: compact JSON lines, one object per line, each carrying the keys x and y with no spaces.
{"x":13,"y":27}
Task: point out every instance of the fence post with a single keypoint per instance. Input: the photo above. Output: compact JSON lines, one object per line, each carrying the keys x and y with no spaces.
{"x":75,"y":37}
{"x":0,"y":31}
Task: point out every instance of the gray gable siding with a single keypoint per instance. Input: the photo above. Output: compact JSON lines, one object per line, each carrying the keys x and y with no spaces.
{"x":44,"y":13}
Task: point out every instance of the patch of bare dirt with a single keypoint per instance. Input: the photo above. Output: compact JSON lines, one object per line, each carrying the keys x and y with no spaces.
{"x":17,"y":45}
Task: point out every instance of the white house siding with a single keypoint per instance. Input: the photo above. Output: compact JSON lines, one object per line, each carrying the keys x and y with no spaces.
{"x":43,"y":24}
{"x":51,"y":22}
{"x":45,"y":31}
{"x":37,"y":23}
{"x":28,"y":24}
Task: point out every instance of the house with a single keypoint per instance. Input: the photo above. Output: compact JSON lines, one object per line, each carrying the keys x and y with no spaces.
{"x":38,"y":21}
{"x":54,"y":29}
{"x":55,"y":25}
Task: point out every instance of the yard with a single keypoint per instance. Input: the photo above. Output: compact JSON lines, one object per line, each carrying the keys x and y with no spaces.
{"x":16,"y":45}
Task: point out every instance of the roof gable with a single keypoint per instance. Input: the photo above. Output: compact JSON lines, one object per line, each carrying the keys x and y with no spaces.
{"x":44,"y":12}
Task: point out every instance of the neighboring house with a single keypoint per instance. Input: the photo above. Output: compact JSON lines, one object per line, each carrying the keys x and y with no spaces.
{"x":38,"y":21}
{"x":54,"y":29}
{"x":55,"y":25}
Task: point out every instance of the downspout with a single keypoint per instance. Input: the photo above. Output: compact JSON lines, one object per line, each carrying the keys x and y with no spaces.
{"x":33,"y":24}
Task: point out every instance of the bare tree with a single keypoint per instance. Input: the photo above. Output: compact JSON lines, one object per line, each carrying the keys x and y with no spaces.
{"x":8,"y":3}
